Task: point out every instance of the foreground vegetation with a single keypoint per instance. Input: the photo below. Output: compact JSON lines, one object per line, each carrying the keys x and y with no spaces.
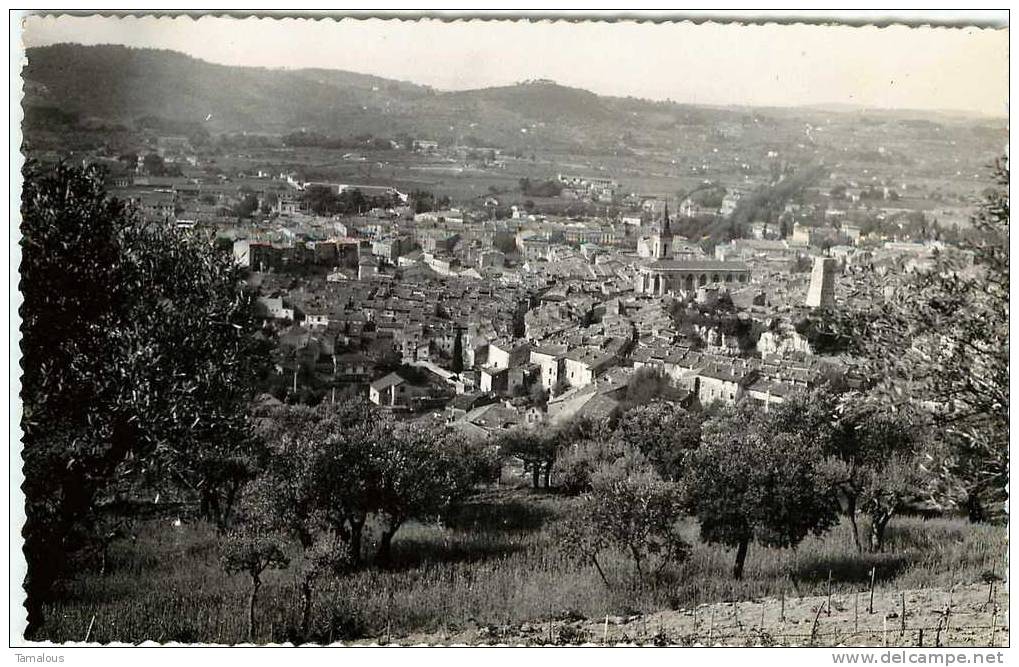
{"x":496,"y":561}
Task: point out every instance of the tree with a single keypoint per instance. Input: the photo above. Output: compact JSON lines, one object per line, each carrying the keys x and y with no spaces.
{"x":284,"y":499}
{"x":153,"y":164}
{"x":457,"y":364}
{"x":348,"y":474}
{"x":577,"y":462}
{"x":535,"y":447}
{"x":939,"y":338}
{"x":647,"y":385}
{"x":633,"y":511}
{"x":253,"y":554}
{"x":750,"y":481}
{"x":138,"y":355}
{"x":426,"y":469}
{"x":878,"y":459}
{"x":270,"y":202}
{"x":320,"y":199}
{"x":247,"y":205}
{"x":664,"y":433}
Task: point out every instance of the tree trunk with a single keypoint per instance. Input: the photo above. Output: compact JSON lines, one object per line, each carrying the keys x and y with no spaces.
{"x":306,"y":598}
{"x":231,"y":498}
{"x":974,"y":507}
{"x":386,"y":542}
{"x":535,"y":474}
{"x":741,"y":558}
{"x":636,"y":560}
{"x":851,"y":512}
{"x":601,"y":573}
{"x":548,"y":474}
{"x":878,"y":524}
{"x":256,"y":583}
{"x":354,"y":541}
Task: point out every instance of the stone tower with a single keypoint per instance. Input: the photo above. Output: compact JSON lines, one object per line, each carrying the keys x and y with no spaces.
{"x":821,"y":293}
{"x":661,"y":240}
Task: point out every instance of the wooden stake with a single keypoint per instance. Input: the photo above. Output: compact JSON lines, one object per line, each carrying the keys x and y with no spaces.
{"x":873,"y":570}
{"x":829,"y":592}
{"x":856,"y":612}
{"x":605,"y":632}
{"x":884,"y":631}
{"x":813,"y":629}
{"x":549,"y":621}
{"x":902,"y":619}
{"x":711,"y":628}
{"x":783,"y":606}
{"x":88,"y":633}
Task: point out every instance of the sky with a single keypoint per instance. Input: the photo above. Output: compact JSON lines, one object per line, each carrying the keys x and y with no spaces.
{"x":894,"y":67}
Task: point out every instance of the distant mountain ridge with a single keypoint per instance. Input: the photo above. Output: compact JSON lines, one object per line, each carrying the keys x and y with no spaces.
{"x":122,"y":85}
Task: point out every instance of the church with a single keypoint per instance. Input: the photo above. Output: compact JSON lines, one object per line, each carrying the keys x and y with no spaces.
{"x":683,"y":276}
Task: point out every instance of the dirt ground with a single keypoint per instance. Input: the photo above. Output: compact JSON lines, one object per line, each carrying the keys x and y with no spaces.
{"x":802,"y":621}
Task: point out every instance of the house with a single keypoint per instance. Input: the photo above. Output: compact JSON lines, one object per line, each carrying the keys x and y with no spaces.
{"x":389,"y":391}
{"x":316,"y":321}
{"x":494,"y":380}
{"x":583,"y":365}
{"x":507,"y":354}
{"x":551,"y":361}
{"x":722,"y":382}
{"x":275,"y":308}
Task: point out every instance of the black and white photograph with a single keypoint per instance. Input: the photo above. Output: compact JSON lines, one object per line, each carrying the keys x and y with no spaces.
{"x":520,"y":330}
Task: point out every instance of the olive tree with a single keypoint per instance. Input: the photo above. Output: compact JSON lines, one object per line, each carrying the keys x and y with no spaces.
{"x":751,"y":482}
{"x":426,"y":468}
{"x":664,"y":432}
{"x":138,"y":355}
{"x":939,"y":338}
{"x":630,"y":510}
{"x":252,"y":554}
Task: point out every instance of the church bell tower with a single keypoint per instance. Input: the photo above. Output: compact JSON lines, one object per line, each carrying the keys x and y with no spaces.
{"x":661,"y":240}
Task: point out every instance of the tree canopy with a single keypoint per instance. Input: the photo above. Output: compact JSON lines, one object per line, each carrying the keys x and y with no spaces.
{"x":138,"y":359}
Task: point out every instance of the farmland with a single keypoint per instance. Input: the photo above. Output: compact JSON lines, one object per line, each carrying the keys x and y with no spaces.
{"x":494,"y":562}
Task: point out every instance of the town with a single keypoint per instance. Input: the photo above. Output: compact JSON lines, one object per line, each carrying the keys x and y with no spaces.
{"x":491,"y":314}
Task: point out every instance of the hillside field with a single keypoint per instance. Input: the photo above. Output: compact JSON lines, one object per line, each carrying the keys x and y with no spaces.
{"x":495,"y":567}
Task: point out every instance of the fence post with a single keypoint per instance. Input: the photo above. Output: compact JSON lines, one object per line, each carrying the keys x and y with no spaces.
{"x":829,"y":592}
{"x":605,"y":632}
{"x":856,"y":612}
{"x":902,"y":620}
{"x":884,"y":629}
{"x":813,"y":629}
{"x":711,"y":628}
{"x":919,"y":639}
{"x":783,"y":606}
{"x":873,"y":570}
{"x":994,"y":623}
{"x":549,"y":621}
{"x":88,"y":633}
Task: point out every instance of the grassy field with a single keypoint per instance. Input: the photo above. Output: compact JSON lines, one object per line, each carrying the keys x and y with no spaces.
{"x":496,"y":562}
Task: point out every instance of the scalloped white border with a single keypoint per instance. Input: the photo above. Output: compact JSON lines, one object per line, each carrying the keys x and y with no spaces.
{"x":917,"y":18}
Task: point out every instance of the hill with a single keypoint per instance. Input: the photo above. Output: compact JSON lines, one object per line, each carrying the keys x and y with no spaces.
{"x":122,"y":85}
{"x":108,"y":86}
